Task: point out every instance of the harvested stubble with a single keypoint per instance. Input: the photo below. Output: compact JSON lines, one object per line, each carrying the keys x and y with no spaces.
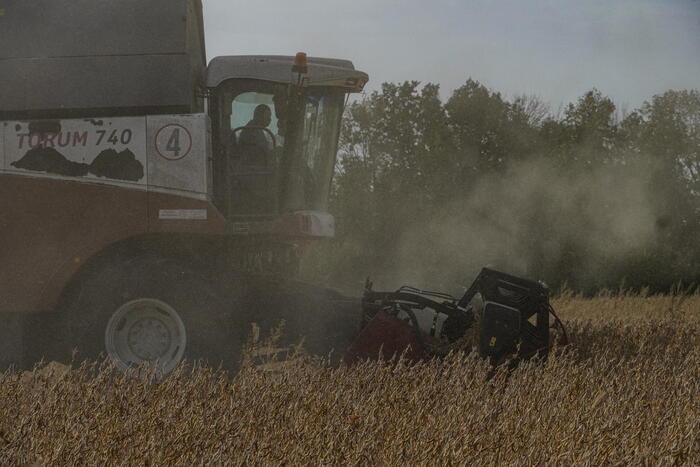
{"x":626,"y":392}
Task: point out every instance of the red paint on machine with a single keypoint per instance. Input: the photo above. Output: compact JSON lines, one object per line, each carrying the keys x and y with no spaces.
{"x":47,"y":223}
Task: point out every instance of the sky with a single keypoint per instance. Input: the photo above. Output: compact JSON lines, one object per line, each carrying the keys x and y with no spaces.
{"x":554,"y":49}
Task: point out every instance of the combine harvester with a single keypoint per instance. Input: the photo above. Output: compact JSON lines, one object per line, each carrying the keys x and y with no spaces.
{"x":153,"y":207}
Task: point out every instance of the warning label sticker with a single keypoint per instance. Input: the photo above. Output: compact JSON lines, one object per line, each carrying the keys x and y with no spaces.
{"x":186,"y":214}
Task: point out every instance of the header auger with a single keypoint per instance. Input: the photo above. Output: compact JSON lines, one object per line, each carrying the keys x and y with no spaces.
{"x":501,"y":316}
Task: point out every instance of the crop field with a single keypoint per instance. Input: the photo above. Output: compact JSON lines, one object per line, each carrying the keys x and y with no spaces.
{"x":626,"y":391}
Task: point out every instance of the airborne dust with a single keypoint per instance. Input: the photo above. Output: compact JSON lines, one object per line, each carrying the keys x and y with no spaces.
{"x":528,"y":220}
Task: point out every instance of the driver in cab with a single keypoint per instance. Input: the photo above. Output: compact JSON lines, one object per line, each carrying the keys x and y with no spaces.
{"x":255,"y":140}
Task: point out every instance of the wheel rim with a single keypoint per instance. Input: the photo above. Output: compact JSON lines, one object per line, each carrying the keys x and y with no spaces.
{"x":146,"y":331}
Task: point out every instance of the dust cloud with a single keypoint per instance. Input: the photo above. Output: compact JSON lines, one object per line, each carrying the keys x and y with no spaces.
{"x":534,"y":220}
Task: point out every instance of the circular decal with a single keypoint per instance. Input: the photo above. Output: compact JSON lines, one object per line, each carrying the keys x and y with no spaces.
{"x":173,"y":142}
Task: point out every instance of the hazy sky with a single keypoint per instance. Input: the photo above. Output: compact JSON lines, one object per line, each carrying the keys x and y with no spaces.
{"x":557,"y":49}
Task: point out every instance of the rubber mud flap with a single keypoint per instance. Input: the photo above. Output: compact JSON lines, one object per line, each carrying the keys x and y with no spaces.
{"x":384,"y":337}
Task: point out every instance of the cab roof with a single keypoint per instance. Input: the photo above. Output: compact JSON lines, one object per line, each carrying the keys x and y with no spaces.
{"x":278,"y":69}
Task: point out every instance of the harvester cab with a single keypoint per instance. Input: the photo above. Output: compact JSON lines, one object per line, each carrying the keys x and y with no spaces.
{"x":276,"y":122}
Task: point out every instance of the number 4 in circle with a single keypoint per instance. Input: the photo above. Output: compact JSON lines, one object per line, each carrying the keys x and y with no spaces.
{"x":173,"y":145}
{"x":173,"y":142}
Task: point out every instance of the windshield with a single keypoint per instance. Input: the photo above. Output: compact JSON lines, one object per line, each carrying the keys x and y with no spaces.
{"x":261,"y":170}
{"x":318,"y":143}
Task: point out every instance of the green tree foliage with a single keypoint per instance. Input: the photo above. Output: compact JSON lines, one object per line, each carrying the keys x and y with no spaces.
{"x":671,"y":133}
{"x":490,"y":132}
{"x":584,"y":198}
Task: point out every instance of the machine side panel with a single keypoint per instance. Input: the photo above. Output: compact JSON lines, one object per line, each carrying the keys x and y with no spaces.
{"x":179,"y":161}
{"x":49,"y":227}
{"x":177,"y":152}
{"x":2,"y":147}
{"x":67,"y":58}
{"x":60,"y":28}
{"x":52,"y":225}
{"x":70,"y":188}
{"x":57,"y":85}
{"x":165,"y":153}
{"x":99,"y":150}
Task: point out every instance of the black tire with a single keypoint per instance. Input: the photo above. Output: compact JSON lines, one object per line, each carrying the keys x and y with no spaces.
{"x":212,"y":337}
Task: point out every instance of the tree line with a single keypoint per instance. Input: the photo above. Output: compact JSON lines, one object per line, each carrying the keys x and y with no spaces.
{"x":591,"y":196}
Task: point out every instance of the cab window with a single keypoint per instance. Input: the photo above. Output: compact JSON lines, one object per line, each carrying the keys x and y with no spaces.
{"x":243,"y":108}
